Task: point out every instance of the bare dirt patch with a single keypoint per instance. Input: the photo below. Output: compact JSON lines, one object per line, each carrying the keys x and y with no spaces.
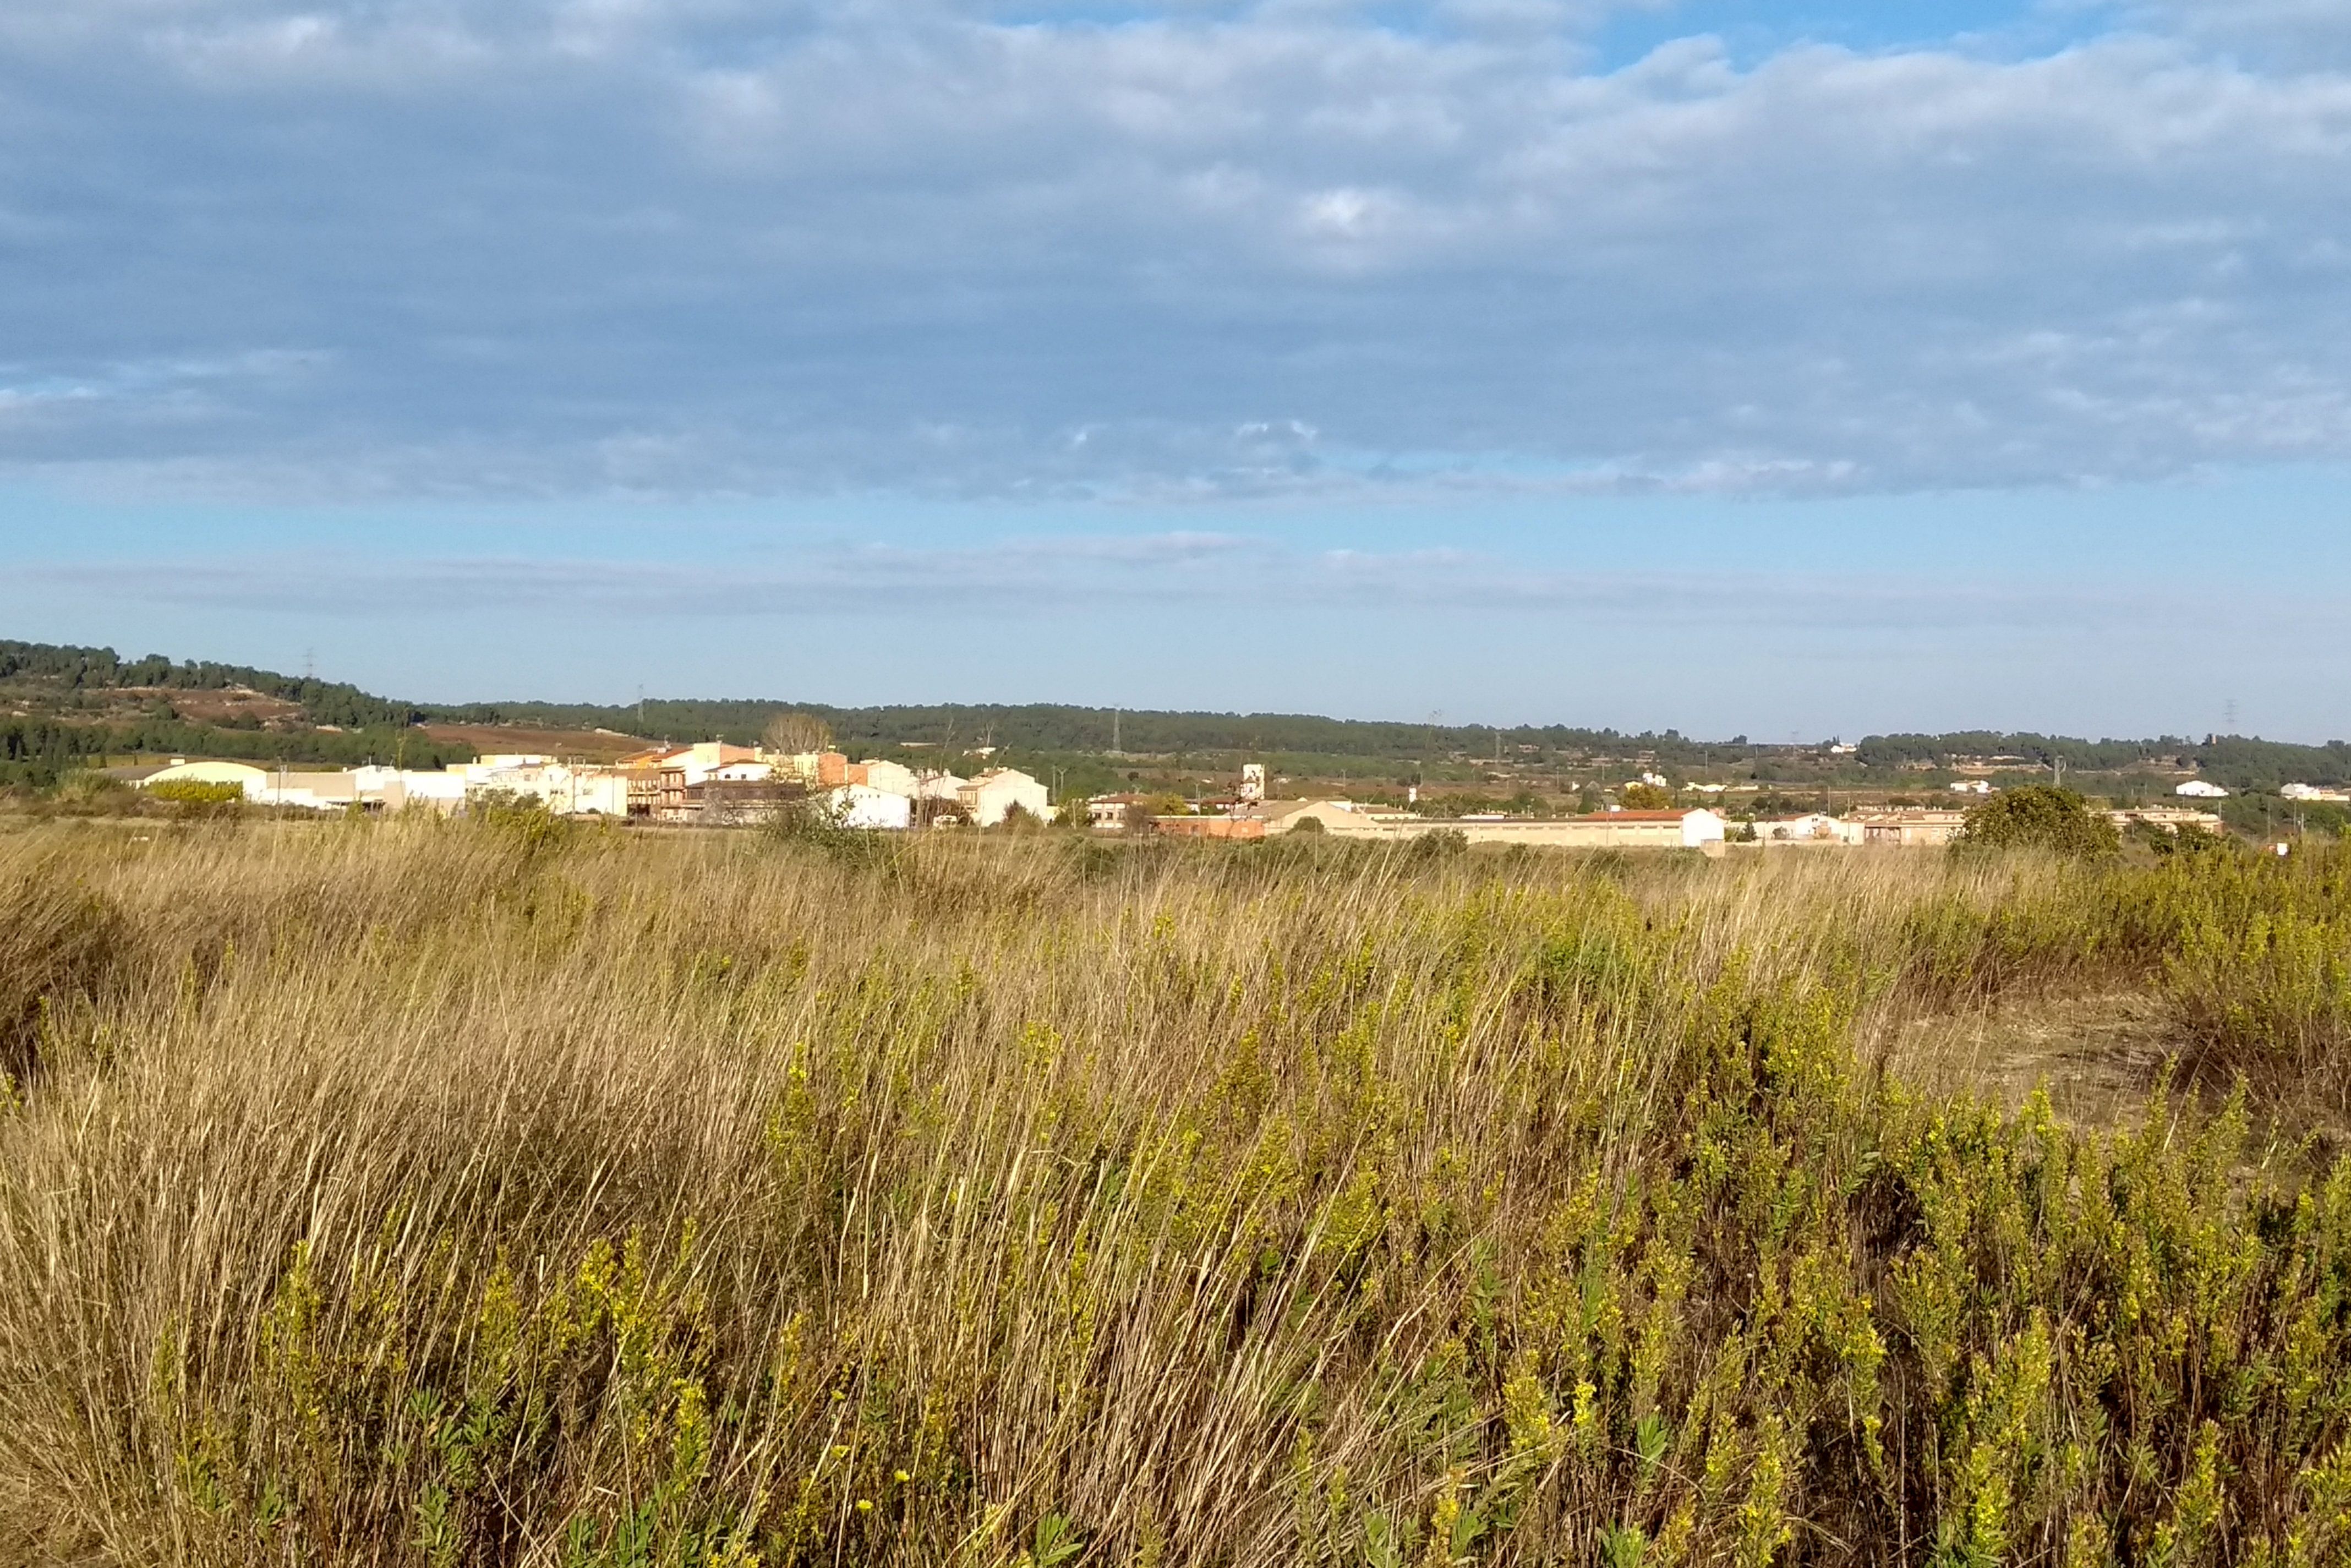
{"x":582,"y":745}
{"x":2099,"y":1057}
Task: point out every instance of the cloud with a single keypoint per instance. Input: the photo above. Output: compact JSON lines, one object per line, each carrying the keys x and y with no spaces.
{"x":1089,"y":573}
{"x":681,"y":248}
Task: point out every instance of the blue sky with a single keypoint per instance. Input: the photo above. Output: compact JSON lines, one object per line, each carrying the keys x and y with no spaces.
{"x":1807,"y":368}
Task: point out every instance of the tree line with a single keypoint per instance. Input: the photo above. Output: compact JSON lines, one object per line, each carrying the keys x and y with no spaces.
{"x":1043,"y":729}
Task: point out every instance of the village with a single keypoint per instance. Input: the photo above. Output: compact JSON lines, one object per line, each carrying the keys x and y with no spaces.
{"x":712,"y":784}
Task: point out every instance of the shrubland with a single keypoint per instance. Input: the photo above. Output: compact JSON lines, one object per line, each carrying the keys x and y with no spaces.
{"x":430,"y":1194}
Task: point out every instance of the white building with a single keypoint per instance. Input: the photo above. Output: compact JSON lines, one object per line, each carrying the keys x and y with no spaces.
{"x":1815,"y":828}
{"x":990,"y":798}
{"x":243,"y":775}
{"x":892,"y":778}
{"x":2313,"y":792}
{"x":1970,"y":787}
{"x":2200,"y":789}
{"x":564,"y":789}
{"x":863,"y":805}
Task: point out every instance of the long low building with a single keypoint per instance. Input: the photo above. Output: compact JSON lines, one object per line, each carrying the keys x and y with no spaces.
{"x":2178,"y":819}
{"x":1697,"y":827}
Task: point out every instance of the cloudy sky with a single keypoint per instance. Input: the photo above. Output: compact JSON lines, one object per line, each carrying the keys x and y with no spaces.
{"x":1739,"y":365}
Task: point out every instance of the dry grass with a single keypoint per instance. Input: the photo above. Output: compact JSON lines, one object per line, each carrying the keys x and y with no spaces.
{"x":423,"y":1194}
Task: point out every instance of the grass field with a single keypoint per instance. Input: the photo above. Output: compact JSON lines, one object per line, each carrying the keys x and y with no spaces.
{"x":432,"y":1193}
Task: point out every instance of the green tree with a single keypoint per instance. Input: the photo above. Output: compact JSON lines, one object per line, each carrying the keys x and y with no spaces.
{"x":2038,"y":816}
{"x":1644,"y":797}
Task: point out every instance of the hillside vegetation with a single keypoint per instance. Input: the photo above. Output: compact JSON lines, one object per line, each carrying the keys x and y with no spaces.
{"x":431,"y":1194}
{"x":48,"y":683}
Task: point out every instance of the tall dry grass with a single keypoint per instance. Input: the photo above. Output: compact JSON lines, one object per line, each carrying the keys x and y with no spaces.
{"x":431,"y":1194}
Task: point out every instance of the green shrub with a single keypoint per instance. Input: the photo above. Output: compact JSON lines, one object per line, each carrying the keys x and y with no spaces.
{"x":2039,"y":817}
{"x":196,"y":792}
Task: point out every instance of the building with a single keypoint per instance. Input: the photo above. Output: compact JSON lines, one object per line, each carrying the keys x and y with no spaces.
{"x":1695,"y":829}
{"x":1815,"y":828}
{"x":1344,"y":817}
{"x":2202,"y":789}
{"x":728,"y":802}
{"x":2313,"y":792}
{"x":892,"y":778}
{"x":1111,"y":813}
{"x":1210,"y":827}
{"x":1970,"y":787}
{"x":987,"y":799}
{"x":818,"y":769}
{"x":863,"y":805}
{"x":243,"y":775}
{"x":1911,"y":828}
{"x":2178,"y":819}
{"x":565,"y":790}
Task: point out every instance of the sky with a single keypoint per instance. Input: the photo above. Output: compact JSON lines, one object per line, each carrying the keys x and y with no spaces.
{"x":1735,"y":366}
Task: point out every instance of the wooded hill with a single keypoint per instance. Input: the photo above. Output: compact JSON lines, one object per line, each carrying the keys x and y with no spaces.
{"x":51,"y":688}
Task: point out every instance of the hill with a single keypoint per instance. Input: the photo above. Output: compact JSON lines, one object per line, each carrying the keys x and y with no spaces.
{"x":62,"y":706}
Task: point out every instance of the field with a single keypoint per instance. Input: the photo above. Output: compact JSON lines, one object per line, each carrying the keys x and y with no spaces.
{"x":578,"y":745}
{"x":435,"y":1193}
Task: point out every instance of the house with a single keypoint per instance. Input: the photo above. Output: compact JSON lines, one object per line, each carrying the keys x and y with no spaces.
{"x":892,"y":778}
{"x":1109,"y":813}
{"x":990,"y":798}
{"x":695,"y":762}
{"x":729,"y":802}
{"x":2313,"y":792}
{"x":1970,"y":787}
{"x":2202,"y":789}
{"x":821,"y":770}
{"x":1911,"y":828}
{"x":564,"y":789}
{"x":865,"y":807}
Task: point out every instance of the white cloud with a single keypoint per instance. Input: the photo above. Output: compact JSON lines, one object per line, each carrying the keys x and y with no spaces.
{"x":701,"y":246}
{"x":1223,"y":572}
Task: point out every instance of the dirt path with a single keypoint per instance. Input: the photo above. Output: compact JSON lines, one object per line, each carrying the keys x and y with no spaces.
{"x":2099,"y":1057}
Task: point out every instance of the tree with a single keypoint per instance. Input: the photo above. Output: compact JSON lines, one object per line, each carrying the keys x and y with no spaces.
{"x":2041,"y":817}
{"x":1644,"y":797}
{"x":798,"y":734}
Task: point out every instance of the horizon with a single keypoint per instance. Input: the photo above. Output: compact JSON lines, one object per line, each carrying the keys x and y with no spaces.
{"x":1708,"y":365}
{"x":472,"y":713}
